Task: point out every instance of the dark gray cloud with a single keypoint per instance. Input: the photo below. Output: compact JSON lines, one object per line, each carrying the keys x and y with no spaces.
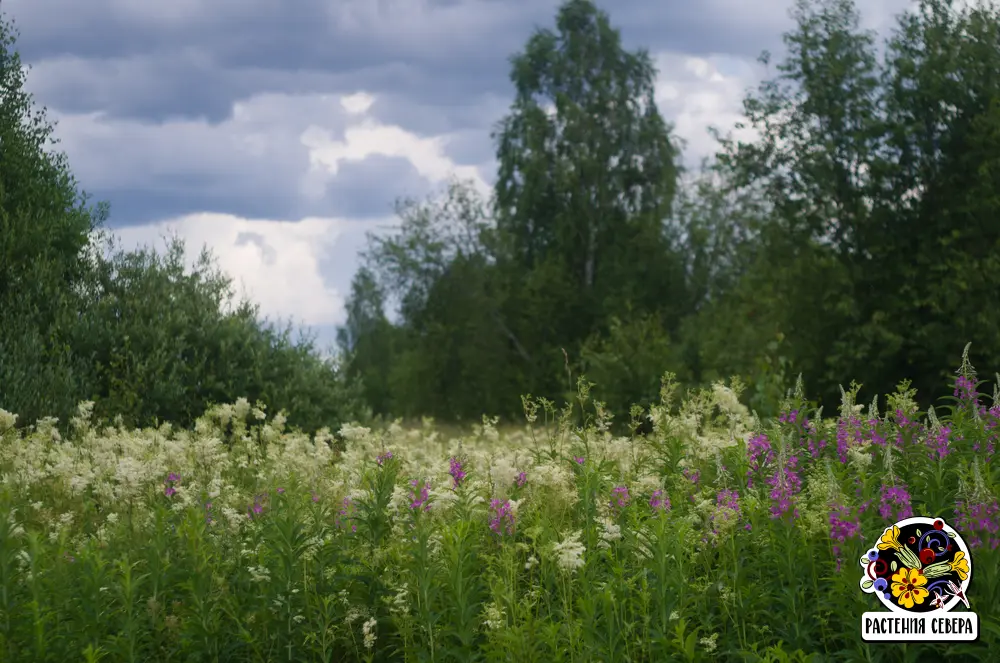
{"x":358,"y":190}
{"x":233,"y":107}
{"x":194,"y":58}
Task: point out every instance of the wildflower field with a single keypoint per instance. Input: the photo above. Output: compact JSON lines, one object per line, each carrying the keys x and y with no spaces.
{"x":714,"y":537}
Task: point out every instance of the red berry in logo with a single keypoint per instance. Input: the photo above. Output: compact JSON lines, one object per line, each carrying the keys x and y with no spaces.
{"x":912,"y":540}
{"x":926,"y":556}
{"x":938,"y":524}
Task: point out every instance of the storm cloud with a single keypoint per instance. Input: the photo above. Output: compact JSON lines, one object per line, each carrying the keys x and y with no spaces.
{"x":279,"y":132}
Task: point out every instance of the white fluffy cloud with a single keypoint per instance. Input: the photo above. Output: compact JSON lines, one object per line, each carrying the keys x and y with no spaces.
{"x":696,"y":93}
{"x":277,"y":263}
{"x":281,"y":263}
{"x":369,"y":138}
{"x":269,"y":135}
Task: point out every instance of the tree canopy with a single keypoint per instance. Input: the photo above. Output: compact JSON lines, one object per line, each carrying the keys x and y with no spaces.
{"x":854,"y":237}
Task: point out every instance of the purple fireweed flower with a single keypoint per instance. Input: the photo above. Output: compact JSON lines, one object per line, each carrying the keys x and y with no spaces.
{"x":315,"y":497}
{"x":579,"y":460}
{"x":794,"y":417}
{"x":848,"y":435}
{"x":864,"y":506}
{"x":521,"y":479}
{"x":659,"y":501}
{"x":785,"y":485}
{"x":907,"y":430}
{"x":939,"y":444}
{"x":692,"y":475}
{"x":281,"y":491}
{"x":456,"y":472}
{"x":619,"y":498}
{"x":728,"y":499}
{"x":842,"y":528}
{"x":895,"y":503}
{"x":991,"y":425}
{"x":978,"y":522}
{"x":872,"y":433}
{"x":815,"y":446}
{"x":172,"y":478}
{"x":965,"y":391}
{"x":501,"y":517}
{"x":759,"y":454}
{"x":420,"y":495}
{"x":727,"y":508}
{"x":258,"y":506}
{"x":382,"y":458}
{"x":344,"y":515}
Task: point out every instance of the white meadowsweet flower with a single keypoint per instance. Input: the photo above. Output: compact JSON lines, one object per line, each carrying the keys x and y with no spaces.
{"x":260,"y":574}
{"x":368,"y":630}
{"x":728,"y":402}
{"x":7,"y":420}
{"x":569,"y":552}
{"x":859,"y":457}
{"x":241,"y":408}
{"x":399,"y":604}
{"x":610,"y":532}
{"x":355,"y":433}
{"x":400,"y":498}
{"x":494,"y":616}
{"x":647,"y":484}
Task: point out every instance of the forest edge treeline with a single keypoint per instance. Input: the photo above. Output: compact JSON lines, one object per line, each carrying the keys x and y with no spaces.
{"x":855,"y":238}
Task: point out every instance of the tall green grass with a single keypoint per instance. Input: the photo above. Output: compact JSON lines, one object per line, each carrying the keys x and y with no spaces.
{"x":717,"y":537}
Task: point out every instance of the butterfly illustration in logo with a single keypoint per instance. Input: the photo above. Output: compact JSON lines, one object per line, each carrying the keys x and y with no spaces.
{"x":955,"y":590}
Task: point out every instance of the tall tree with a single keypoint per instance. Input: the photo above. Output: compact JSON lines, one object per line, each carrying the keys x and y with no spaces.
{"x":46,"y":226}
{"x":587,"y":173}
{"x":939,"y":207}
{"x":366,"y":340}
{"x":881,"y":247}
{"x":140,"y":333}
{"x":451,"y":352}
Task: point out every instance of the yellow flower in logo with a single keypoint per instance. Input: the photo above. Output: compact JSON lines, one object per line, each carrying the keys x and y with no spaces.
{"x":890,"y":539}
{"x":908,"y":587}
{"x":960,"y":565}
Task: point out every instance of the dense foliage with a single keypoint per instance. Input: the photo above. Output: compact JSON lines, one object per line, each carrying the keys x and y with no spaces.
{"x":854,"y":238}
{"x":717,"y":537}
{"x":136,"y":332}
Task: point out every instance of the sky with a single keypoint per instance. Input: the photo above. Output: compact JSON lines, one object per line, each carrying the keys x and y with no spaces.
{"x":278,"y":133}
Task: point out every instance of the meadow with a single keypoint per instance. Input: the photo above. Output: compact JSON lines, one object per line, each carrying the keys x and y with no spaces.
{"x":714,"y":536}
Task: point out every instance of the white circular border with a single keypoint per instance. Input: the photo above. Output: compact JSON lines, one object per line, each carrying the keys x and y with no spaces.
{"x":923,"y":520}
